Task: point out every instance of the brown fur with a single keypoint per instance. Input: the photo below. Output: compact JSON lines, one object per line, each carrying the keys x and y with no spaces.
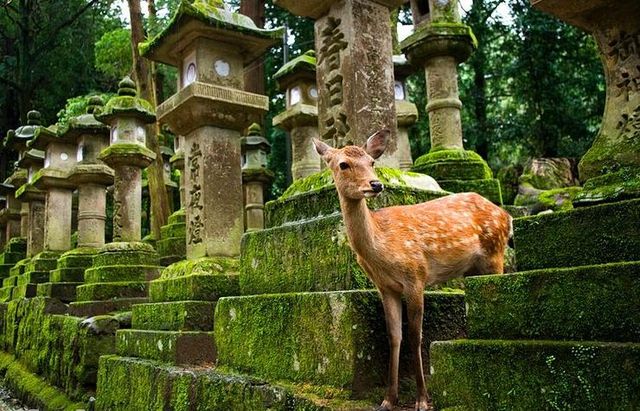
{"x":404,"y":248}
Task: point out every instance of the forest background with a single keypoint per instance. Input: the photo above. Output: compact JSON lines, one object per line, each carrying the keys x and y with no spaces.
{"x":534,"y":87}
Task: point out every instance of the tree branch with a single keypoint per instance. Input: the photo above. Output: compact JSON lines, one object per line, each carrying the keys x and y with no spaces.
{"x":65,"y":24}
{"x":10,"y":83}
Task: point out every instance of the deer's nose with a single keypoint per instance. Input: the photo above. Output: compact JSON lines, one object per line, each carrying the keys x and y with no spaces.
{"x":376,"y":186}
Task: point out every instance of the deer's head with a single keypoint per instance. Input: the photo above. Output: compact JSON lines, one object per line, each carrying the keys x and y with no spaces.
{"x":352,"y":166}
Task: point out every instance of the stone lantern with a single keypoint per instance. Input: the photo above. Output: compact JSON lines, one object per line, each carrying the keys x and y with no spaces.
{"x":441,"y":42}
{"x":255,"y":176}
{"x":170,"y":185}
{"x":90,"y":177}
{"x":121,"y":270}
{"x":354,"y":48}
{"x":300,"y":118}
{"x":210,"y":46}
{"x":406,"y":111}
{"x":177,"y":162}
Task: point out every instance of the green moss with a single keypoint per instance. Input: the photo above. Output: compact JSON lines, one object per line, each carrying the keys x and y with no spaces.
{"x":111,"y":273}
{"x":75,"y":274}
{"x":178,"y":217}
{"x":77,"y":258}
{"x":174,"y":230}
{"x":453,"y":165}
{"x":174,"y":347}
{"x":582,"y":236}
{"x":205,"y":265}
{"x":620,"y":185}
{"x":582,"y":303}
{"x":278,"y":336}
{"x":65,"y":292}
{"x":174,"y":316}
{"x":126,"y":106}
{"x":125,"y":253}
{"x":107,"y":291}
{"x":198,"y":287}
{"x":527,"y":375}
{"x":489,"y":189}
{"x":172,"y":249}
{"x":131,"y":151}
{"x":304,"y":62}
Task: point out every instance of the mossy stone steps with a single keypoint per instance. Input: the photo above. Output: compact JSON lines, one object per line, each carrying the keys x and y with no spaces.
{"x":111,"y":290}
{"x":44,"y":261}
{"x":113,"y":273}
{"x":10,"y":258}
{"x":68,"y":274}
{"x":199,"y":287}
{"x":324,"y":201}
{"x":171,"y":250}
{"x":5,"y":294}
{"x":578,"y":303}
{"x":5,"y":270}
{"x":164,"y":386}
{"x":173,"y":347}
{"x":11,"y":281}
{"x":177,"y":217}
{"x":174,"y":230}
{"x":583,"y":236}
{"x":63,"y":291}
{"x":307,"y":256}
{"x":489,"y":189}
{"x":33,"y":277}
{"x":77,"y":258}
{"x":174,"y":316}
{"x":16,"y":245}
{"x":126,"y":254}
{"x":335,"y":338}
{"x":19,"y":267}
{"x":93,"y":308}
{"x":24,"y":291}
{"x":535,"y":375}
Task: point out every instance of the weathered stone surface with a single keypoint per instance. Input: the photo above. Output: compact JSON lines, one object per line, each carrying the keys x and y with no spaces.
{"x":93,"y":308}
{"x":174,"y":316}
{"x":335,"y":339}
{"x":200,"y":287}
{"x":525,"y":375}
{"x":582,"y":236}
{"x":173,"y":347}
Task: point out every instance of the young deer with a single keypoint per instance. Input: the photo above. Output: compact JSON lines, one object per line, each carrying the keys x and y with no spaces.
{"x":404,"y":248}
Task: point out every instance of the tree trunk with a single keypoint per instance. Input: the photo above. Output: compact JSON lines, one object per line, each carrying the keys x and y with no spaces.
{"x":144,"y":79}
{"x":254,"y":75}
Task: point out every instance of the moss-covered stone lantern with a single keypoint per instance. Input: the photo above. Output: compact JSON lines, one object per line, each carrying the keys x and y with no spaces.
{"x":300,"y":118}
{"x":210,"y":47}
{"x":610,"y":169}
{"x":441,"y":42}
{"x":354,"y":48}
{"x":127,"y":154}
{"x":406,"y":111}
{"x":255,"y":176}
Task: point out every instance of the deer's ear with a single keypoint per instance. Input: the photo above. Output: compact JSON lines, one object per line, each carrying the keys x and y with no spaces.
{"x":321,"y":147}
{"x":377,"y":143}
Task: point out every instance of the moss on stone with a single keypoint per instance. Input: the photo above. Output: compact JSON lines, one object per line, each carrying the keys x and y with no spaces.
{"x":615,"y":186}
{"x":105,"y":274}
{"x":125,"y":253}
{"x":174,"y":230}
{"x":581,"y":303}
{"x":174,"y":316}
{"x":489,"y":189}
{"x":198,"y":287}
{"x":205,"y":265}
{"x":173,"y":347}
{"x":111,"y":290}
{"x":453,"y":165}
{"x":178,"y":217}
{"x":582,"y":236}
{"x":74,"y":274}
{"x":527,"y":375}
{"x":279,"y":336}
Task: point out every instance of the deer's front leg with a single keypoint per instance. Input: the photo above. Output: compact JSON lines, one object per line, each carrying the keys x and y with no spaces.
{"x":392,"y":304}
{"x":415,"y":312}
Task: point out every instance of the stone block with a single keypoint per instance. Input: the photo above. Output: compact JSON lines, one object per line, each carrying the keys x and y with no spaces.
{"x":5,"y":270}
{"x":33,"y":277}
{"x":107,"y":291}
{"x":125,"y":254}
{"x":178,"y":217}
{"x":583,"y":236}
{"x":65,"y":292}
{"x":70,"y":274}
{"x":16,"y":245}
{"x":174,"y":316}
{"x":93,"y":308}
{"x":200,"y":287}
{"x":336,"y":338}
{"x":10,"y":258}
{"x":10,"y":281}
{"x":19,"y":267}
{"x":77,"y":258}
{"x":24,"y":291}
{"x":579,"y":303}
{"x":173,"y":347}
{"x":45,"y":261}
{"x":534,"y":375}
{"x":489,"y":189}
{"x":174,"y":230}
{"x":5,"y":293}
{"x":104,"y":274}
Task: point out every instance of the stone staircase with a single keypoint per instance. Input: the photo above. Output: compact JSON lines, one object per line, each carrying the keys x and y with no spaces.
{"x":565,"y":334}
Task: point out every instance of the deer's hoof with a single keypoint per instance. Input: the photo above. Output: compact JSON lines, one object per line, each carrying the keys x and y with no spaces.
{"x":382,"y":408}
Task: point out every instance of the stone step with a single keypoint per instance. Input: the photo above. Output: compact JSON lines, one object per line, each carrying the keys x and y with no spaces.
{"x":19,"y":267}
{"x":163,"y":386}
{"x":171,"y":250}
{"x":173,"y":347}
{"x":9,"y":257}
{"x":67,"y":274}
{"x":44,"y":261}
{"x":309,"y":256}
{"x":93,"y":308}
{"x":578,"y":303}
{"x":10,"y":281}
{"x":174,"y":316}
{"x":16,"y":245}
{"x":24,"y":291}
{"x":200,"y":287}
{"x":535,"y":375}
{"x":5,"y":293}
{"x":336,"y":338}
{"x":126,"y":254}
{"x":174,"y":230}
{"x":112,"y":273}
{"x":33,"y":277}
{"x":107,"y":291}
{"x":65,"y":292}
{"x":77,"y":258}
{"x":178,"y":217}
{"x":316,"y":196}
{"x":583,"y":236}
{"x":5,"y":270}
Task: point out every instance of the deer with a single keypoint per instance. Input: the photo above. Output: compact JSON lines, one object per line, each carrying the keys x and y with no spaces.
{"x":402,"y":249}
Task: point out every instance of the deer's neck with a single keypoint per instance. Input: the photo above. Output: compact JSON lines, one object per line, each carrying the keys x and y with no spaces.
{"x":360,"y":225}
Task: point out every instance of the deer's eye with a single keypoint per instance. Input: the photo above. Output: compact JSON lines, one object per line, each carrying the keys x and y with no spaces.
{"x":343,"y":166}
{"x":373,"y":163}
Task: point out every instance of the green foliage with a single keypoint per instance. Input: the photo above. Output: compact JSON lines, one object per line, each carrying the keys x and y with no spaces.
{"x":76,"y":106}
{"x":113,"y":53}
